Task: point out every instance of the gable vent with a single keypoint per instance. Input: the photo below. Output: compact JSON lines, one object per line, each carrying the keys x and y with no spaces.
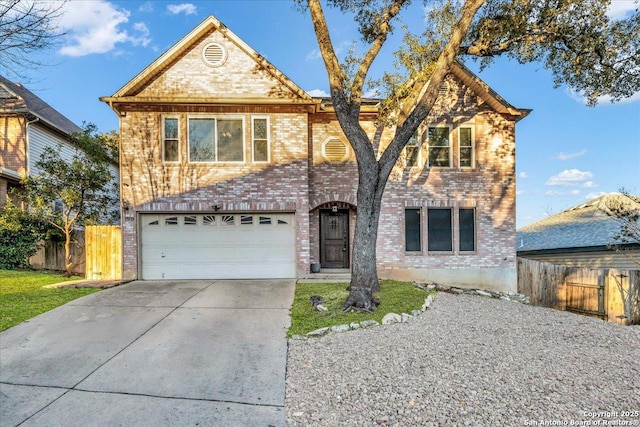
{"x":214,"y":55}
{"x":335,"y":151}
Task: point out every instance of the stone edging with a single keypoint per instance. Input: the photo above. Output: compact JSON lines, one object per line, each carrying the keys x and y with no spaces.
{"x":390,"y":318}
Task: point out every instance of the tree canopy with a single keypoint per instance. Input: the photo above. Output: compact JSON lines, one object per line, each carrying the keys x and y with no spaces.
{"x":576,"y":40}
{"x":68,"y":194}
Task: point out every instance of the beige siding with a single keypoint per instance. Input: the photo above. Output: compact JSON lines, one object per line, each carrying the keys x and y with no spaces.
{"x":39,"y":139}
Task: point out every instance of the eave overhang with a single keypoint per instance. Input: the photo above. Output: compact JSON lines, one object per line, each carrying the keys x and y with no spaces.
{"x":120,"y":103}
{"x":583,"y":249}
{"x":491,"y":97}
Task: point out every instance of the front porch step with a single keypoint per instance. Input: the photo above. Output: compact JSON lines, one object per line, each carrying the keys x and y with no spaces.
{"x":328,"y":275}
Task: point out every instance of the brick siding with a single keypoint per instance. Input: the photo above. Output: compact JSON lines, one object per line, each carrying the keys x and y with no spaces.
{"x":298,"y":178}
{"x":13,"y":144}
{"x":489,"y":187}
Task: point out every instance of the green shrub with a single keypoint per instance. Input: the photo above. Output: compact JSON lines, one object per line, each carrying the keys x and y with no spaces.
{"x":20,"y":232}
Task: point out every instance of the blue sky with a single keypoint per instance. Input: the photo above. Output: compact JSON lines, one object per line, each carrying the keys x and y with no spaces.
{"x":566,"y":153}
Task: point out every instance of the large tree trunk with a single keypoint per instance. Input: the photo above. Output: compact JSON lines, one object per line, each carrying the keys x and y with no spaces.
{"x":373,"y":173}
{"x":364,"y":274}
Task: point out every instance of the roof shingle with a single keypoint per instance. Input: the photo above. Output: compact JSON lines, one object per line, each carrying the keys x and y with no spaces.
{"x":582,"y":226}
{"x":16,"y":99}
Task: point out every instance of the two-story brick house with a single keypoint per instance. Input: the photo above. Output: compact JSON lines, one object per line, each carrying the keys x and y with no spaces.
{"x":230,"y":170}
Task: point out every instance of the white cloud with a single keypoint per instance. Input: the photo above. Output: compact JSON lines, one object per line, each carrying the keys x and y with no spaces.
{"x":569,"y":178}
{"x":146,"y":7}
{"x":313,"y":55}
{"x":318,"y":93}
{"x":519,"y":192}
{"x":96,"y":27}
{"x":344,"y":46}
{"x":569,"y":156}
{"x":523,"y":175}
{"x":142,"y":36}
{"x":605,"y":99}
{"x":589,"y":184}
{"x":186,"y":8}
{"x":618,"y":9}
{"x":595,"y":195}
{"x":562,"y":193}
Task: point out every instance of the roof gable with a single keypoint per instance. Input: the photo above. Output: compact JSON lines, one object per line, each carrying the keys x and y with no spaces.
{"x":16,"y":99}
{"x":181,"y":73}
{"x":488,"y":95}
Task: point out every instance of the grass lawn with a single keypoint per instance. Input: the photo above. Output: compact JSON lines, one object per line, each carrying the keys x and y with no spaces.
{"x":22,"y":295}
{"x":395,"y":297}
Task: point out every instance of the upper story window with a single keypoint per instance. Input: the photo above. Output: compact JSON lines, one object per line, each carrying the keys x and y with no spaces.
{"x":466,"y":147}
{"x":214,"y":139}
{"x":412,"y":150}
{"x":260,"y":139}
{"x":439,"y":147}
{"x":170,"y":145}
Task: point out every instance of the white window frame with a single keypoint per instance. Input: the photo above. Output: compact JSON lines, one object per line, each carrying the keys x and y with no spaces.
{"x":164,"y":138}
{"x":253,"y":139}
{"x":417,"y":145}
{"x":473,"y":145}
{"x":449,"y":127}
{"x":216,"y":118}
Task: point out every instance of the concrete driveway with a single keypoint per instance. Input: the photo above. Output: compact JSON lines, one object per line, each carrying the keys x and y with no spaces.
{"x":154,"y":353}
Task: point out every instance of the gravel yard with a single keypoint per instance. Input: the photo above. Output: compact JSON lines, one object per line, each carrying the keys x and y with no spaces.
{"x":469,"y":360}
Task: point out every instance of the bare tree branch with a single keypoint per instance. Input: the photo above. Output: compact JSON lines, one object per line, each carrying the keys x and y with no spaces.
{"x":26,"y":28}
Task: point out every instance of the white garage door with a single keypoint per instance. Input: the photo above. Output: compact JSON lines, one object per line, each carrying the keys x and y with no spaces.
{"x":217,"y":246}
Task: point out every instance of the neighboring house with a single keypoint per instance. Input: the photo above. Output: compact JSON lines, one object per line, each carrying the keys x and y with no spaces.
{"x":230,"y":170}
{"x":581,"y":236}
{"x":27,"y":126}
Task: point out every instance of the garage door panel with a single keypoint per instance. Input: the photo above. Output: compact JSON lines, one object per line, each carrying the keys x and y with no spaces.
{"x":217,"y":246}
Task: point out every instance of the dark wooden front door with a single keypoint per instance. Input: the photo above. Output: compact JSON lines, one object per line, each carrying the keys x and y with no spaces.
{"x":334,"y":239}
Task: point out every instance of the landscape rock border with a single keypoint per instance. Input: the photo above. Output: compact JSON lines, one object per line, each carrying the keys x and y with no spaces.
{"x":391,"y":318}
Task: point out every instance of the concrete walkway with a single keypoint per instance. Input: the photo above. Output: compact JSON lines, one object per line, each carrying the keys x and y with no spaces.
{"x":159,"y":353}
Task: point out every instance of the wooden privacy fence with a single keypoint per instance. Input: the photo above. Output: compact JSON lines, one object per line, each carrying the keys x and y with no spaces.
{"x":103,"y":252}
{"x":612,"y":295}
{"x":50,"y":255}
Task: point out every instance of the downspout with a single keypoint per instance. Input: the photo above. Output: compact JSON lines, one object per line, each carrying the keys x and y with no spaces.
{"x":27,"y":144}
